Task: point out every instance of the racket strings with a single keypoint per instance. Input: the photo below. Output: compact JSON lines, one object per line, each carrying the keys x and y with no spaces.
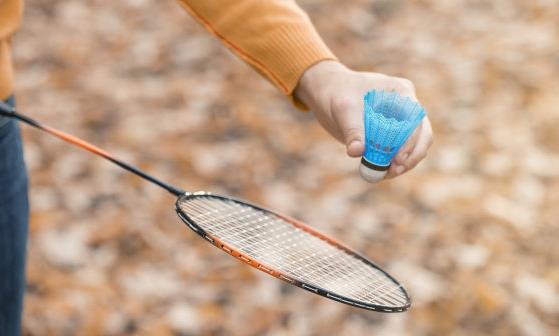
{"x":338,"y":276}
{"x":272,"y":241}
{"x":298,"y":270}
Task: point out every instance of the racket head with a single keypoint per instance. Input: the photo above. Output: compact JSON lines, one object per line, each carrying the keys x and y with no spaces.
{"x":287,"y":249}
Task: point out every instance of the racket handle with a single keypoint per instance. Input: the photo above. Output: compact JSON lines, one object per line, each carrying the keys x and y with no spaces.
{"x":9,"y":111}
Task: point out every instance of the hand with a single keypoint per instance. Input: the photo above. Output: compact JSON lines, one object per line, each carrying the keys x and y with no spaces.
{"x":335,"y":94}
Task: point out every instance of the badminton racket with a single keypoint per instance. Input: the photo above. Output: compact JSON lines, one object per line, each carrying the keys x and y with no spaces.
{"x":270,"y":242}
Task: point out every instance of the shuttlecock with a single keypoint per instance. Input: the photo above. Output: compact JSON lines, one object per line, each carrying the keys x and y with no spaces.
{"x":389,"y":121}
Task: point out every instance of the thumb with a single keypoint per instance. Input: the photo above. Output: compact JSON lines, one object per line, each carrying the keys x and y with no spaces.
{"x":350,"y":123}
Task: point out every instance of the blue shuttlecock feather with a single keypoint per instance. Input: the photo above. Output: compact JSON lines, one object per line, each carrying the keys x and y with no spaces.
{"x":389,"y":120}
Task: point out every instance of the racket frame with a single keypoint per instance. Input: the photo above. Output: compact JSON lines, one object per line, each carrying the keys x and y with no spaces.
{"x":227,"y":248}
{"x":9,"y":111}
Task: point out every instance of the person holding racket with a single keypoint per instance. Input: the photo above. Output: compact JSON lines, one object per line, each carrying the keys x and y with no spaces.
{"x":286,"y":50}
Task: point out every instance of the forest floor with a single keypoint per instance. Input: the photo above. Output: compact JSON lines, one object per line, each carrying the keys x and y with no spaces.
{"x":472,"y":233}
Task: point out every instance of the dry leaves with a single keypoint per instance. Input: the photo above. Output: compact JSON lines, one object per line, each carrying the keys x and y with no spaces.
{"x":473,"y":232}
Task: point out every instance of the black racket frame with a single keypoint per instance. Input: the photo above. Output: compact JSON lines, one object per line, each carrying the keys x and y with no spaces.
{"x":191,"y":224}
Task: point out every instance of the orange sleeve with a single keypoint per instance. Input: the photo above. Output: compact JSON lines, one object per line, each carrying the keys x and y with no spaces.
{"x":276,"y":37}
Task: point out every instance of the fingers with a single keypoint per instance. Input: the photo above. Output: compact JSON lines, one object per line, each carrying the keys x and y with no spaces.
{"x":407,"y":148}
{"x":415,"y":148}
{"x":415,"y":153}
{"x":423,"y":143}
{"x":349,"y":117}
{"x":403,"y":86}
{"x":398,"y":166}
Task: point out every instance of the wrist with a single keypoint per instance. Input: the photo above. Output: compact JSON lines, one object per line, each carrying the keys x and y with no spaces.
{"x":315,"y":79}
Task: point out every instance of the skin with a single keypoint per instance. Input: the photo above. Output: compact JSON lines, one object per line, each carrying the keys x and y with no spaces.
{"x":335,"y":95}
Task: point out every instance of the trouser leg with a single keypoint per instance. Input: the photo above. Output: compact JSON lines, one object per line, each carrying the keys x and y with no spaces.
{"x":13,"y":227}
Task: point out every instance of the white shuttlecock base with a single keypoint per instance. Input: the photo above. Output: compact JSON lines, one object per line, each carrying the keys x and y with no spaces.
{"x":370,"y":173}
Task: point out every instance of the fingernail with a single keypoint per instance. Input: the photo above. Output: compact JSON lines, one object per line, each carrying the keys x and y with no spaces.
{"x":399,"y":170}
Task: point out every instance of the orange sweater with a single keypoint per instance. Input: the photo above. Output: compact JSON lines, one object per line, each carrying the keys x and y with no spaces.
{"x":275,"y":37}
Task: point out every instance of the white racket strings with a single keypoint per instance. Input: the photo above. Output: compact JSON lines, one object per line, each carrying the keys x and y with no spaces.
{"x":273,"y":241}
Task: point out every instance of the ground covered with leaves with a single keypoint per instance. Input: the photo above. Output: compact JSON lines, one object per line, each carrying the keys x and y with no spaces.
{"x":473,"y":233}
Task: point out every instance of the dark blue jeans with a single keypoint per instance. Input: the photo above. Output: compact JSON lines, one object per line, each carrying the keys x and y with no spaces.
{"x":14,"y":211}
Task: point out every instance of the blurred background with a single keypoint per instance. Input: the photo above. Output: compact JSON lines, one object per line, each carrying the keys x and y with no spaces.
{"x":473,"y":232}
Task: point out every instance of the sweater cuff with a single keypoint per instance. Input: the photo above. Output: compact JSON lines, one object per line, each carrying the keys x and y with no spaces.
{"x":295,"y":48}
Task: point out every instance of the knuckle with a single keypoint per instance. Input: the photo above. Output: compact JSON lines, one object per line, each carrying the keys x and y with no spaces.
{"x":398,"y":159}
{"x":408,"y":83}
{"x":410,"y":164}
{"x":403,"y":85}
{"x":377,"y":78}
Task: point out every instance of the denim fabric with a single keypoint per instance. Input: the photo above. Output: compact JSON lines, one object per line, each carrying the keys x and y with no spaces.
{"x":3,"y":119}
{"x":13,"y":227}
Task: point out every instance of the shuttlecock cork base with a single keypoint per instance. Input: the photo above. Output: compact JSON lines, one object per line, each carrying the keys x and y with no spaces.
{"x":389,"y":120}
{"x":372,"y":173}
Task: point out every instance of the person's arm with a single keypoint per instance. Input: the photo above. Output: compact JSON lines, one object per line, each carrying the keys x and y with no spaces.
{"x":277,"y":38}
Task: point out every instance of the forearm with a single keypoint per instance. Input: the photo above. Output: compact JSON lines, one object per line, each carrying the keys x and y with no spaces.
{"x":275,"y":37}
